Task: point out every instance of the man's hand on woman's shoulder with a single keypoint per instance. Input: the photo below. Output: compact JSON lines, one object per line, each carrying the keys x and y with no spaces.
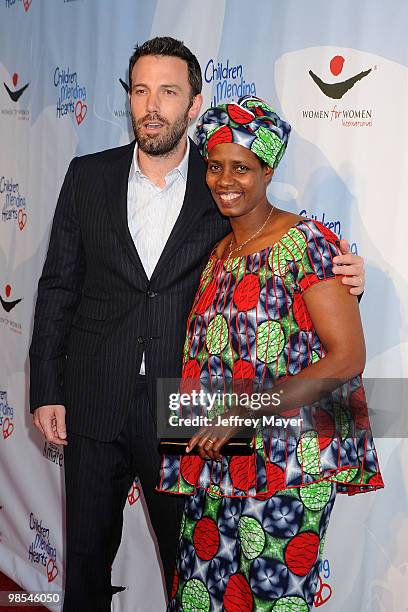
{"x":352,"y":267}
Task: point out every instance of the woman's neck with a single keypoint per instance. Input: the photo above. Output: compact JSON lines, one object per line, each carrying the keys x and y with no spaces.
{"x":246,"y":225}
{"x":156,"y":167}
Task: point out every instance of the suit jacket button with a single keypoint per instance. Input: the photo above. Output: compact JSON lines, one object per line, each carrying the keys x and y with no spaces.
{"x":140,"y":339}
{"x":151,"y":293}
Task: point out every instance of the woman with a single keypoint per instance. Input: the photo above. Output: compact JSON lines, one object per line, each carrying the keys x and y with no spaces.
{"x":264,"y":321}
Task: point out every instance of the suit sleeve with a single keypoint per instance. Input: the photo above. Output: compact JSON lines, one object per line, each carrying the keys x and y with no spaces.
{"x":59,"y":292}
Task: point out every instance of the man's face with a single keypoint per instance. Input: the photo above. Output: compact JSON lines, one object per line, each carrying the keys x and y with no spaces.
{"x":161,"y":103}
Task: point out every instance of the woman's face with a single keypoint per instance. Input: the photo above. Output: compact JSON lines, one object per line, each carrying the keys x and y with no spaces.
{"x":237,"y":179}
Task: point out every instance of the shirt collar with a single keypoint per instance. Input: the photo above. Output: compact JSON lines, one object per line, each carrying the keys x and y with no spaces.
{"x":182,"y":168}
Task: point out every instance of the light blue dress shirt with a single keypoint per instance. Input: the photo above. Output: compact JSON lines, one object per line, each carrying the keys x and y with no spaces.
{"x":152,"y":211}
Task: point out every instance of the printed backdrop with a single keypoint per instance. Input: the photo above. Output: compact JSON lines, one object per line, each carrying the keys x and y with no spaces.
{"x":338,"y":74}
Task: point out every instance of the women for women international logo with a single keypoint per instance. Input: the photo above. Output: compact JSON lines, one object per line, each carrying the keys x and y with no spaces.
{"x":334,"y":84}
{"x":8,"y":302}
{"x":337,"y":89}
{"x":14,"y":91}
{"x":16,"y":87}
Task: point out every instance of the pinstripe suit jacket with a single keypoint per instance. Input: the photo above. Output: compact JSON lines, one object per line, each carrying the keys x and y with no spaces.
{"x":96,"y":310}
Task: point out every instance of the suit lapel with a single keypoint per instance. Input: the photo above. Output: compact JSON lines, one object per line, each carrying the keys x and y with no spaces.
{"x":116,"y":182}
{"x":196,"y":201}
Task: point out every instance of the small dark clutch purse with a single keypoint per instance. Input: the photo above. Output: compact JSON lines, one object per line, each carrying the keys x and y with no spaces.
{"x":235,"y":447}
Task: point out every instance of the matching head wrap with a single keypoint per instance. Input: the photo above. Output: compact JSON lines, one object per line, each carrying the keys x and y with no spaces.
{"x":251,"y":123}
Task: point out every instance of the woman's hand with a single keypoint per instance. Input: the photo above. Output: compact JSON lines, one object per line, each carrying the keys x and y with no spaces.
{"x":210,"y":440}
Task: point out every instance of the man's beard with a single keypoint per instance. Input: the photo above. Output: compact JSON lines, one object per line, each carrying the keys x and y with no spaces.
{"x":160,"y":144}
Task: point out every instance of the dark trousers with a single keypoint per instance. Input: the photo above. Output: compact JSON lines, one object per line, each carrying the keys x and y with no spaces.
{"x":98,"y":476}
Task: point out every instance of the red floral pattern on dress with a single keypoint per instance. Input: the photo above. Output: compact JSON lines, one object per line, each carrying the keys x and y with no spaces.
{"x":301,"y":552}
{"x":360,"y":409}
{"x":301,"y":313}
{"x":206,"y":298}
{"x":246,"y":295}
{"x":238,"y":595}
{"x":243,"y":472}
{"x":191,"y":377}
{"x":206,"y":538}
{"x":242,"y":376}
{"x":191,"y":466}
{"x":275,"y":478}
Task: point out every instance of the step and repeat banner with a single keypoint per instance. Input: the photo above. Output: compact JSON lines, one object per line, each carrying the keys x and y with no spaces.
{"x":338,"y":74}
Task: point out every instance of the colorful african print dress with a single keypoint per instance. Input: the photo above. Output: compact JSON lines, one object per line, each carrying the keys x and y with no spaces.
{"x":253,"y":527}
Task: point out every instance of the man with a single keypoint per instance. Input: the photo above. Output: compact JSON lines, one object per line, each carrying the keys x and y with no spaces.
{"x":132,"y":229}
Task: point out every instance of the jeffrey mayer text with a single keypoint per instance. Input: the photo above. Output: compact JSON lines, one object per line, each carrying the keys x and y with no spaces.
{"x":234,"y":421}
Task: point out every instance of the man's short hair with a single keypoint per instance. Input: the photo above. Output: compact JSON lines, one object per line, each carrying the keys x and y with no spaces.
{"x":167,"y":46}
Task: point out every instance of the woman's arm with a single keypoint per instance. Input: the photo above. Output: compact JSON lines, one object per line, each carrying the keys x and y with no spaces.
{"x":336,"y":318}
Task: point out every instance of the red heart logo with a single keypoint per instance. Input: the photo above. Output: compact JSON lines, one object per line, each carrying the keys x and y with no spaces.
{"x":27,"y":4}
{"x":52,"y":570}
{"x":80,"y":112}
{"x":15,"y":79}
{"x":133,"y":494}
{"x":321,"y":597}
{"x":8,"y":428}
{"x":22,"y":219}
